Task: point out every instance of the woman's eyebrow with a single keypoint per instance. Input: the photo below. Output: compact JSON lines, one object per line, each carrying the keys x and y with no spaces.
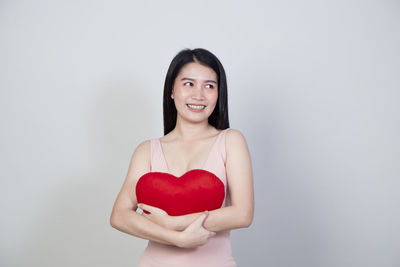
{"x":211,"y":81}
{"x":190,"y":79}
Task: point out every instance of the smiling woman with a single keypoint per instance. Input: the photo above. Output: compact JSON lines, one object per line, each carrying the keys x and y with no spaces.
{"x":195,"y":182}
{"x":195,"y":92}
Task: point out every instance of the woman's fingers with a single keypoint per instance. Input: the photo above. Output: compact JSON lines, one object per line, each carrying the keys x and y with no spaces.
{"x":200,"y":220}
{"x":146,"y":209}
{"x":198,"y":223}
{"x":195,"y":234}
{"x":151,"y":209}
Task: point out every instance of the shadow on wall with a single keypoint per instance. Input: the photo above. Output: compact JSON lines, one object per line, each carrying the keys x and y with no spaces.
{"x":73,"y":229}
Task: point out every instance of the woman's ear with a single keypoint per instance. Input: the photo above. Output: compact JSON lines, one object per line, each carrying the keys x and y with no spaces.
{"x":172,"y":94}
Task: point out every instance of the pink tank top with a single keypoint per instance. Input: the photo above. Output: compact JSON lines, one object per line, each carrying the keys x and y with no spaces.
{"x":217,"y":252}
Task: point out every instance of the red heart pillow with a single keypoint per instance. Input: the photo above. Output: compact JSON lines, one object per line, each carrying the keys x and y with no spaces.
{"x":195,"y":191}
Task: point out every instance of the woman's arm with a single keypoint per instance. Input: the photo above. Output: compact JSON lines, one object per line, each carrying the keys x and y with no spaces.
{"x":125,"y":218}
{"x":240,"y":186}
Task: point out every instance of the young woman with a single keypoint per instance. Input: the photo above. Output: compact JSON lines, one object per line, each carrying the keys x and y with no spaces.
{"x":196,"y":136}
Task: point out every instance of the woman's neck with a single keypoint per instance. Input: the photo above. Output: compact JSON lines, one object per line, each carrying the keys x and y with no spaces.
{"x":190,"y":131}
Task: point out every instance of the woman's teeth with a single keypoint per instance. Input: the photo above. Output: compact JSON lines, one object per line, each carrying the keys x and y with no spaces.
{"x":196,"y":107}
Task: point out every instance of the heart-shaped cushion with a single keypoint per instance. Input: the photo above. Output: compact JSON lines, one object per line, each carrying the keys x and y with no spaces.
{"x":195,"y":191}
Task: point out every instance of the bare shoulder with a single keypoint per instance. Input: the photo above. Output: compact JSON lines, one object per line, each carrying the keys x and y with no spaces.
{"x":234,"y":137}
{"x":236,"y":145}
{"x":143,"y":148}
{"x":140,"y":161}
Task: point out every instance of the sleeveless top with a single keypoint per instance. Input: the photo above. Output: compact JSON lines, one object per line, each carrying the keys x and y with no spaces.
{"x":217,"y":251}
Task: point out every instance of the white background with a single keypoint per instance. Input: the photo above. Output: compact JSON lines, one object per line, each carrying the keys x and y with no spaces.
{"x":313,"y":86}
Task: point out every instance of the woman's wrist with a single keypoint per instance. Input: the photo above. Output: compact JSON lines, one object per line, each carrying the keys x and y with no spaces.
{"x":174,"y":237}
{"x":174,"y":223}
{"x":179,"y":223}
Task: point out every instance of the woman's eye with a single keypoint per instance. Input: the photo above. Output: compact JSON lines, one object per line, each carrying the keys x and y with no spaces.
{"x":188,"y":84}
{"x":209,"y":86}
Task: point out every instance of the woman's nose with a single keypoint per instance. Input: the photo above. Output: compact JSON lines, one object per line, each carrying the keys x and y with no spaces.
{"x":198,"y":92}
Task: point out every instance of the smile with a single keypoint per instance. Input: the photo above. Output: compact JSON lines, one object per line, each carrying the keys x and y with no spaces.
{"x":198,"y":107}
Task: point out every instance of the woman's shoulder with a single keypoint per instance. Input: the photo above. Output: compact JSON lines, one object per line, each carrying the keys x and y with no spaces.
{"x":236,"y":146}
{"x":143,"y":148}
{"x":140,"y":159}
{"x":234,"y":140}
{"x":145,"y":144}
{"x":234,"y":135}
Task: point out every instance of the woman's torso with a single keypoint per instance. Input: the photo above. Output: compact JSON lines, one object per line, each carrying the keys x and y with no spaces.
{"x":217,"y":251}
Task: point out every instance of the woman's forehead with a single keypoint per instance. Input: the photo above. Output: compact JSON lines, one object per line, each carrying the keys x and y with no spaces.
{"x":197,"y":71}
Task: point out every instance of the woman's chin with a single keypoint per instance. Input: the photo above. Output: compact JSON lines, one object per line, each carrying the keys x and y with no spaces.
{"x":195,"y":119}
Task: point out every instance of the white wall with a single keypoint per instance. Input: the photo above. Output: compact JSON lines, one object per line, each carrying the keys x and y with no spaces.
{"x":313,"y":86}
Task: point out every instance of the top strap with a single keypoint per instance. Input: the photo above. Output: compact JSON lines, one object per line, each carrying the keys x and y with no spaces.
{"x":156,"y":157}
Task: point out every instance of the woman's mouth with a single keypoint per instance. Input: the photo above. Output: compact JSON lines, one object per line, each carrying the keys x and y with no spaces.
{"x":196,"y":107}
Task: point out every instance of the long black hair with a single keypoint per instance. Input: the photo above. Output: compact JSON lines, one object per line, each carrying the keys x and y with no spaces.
{"x":219,"y":117}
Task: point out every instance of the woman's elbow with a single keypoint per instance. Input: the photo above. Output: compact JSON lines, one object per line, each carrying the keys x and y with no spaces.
{"x":247,"y":222}
{"x":247,"y":219}
{"x":114,"y":220}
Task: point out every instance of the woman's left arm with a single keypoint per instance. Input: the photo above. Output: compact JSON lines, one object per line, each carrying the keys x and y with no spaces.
{"x":240,"y":186}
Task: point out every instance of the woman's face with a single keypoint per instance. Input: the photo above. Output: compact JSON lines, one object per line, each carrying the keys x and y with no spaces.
{"x":195,"y":92}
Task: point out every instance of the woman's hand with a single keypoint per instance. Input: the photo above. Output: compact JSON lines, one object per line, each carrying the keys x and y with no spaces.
{"x":195,"y":234}
{"x":157,"y":216}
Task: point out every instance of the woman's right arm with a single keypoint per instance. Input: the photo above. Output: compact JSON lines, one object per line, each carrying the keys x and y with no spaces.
{"x":125,"y":218}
